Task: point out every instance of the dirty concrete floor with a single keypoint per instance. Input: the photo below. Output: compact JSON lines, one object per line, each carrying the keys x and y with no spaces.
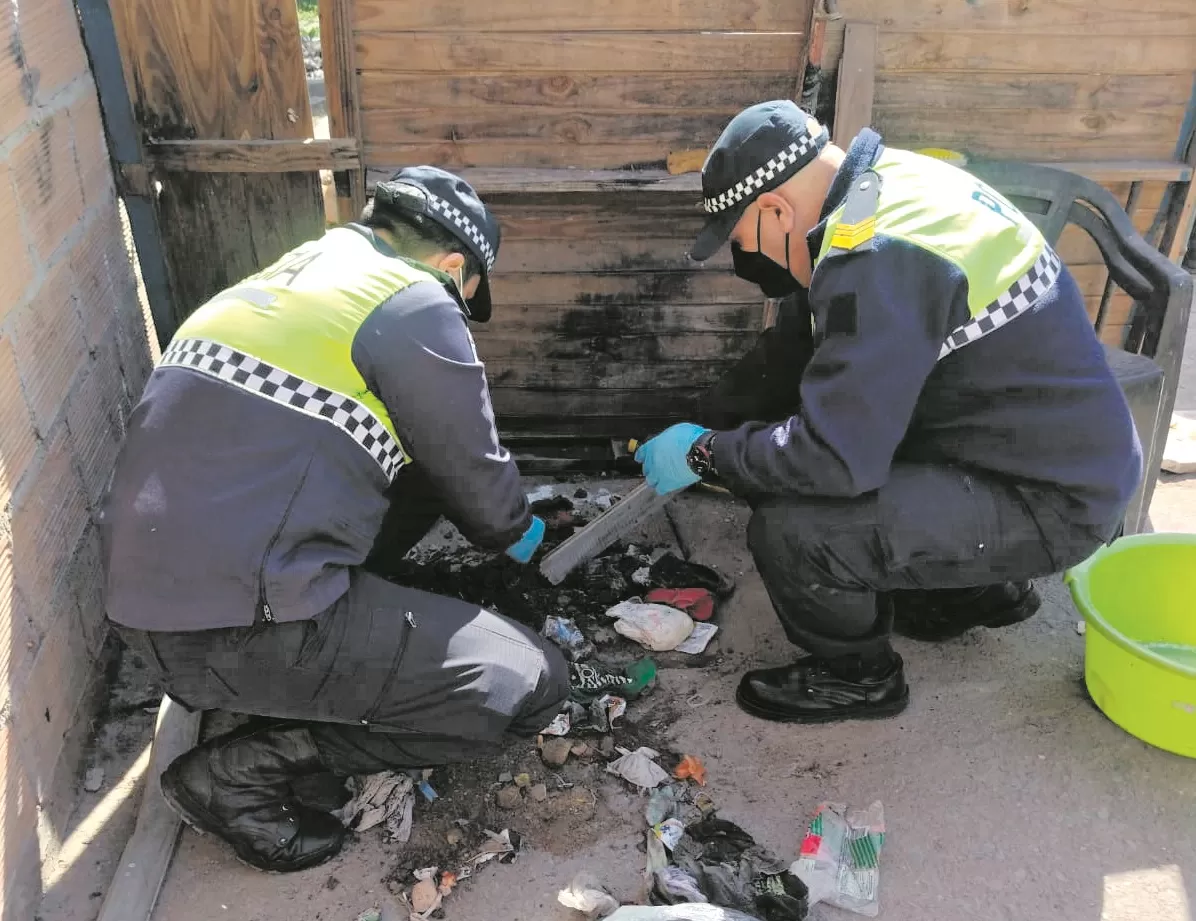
{"x":1006,"y":794}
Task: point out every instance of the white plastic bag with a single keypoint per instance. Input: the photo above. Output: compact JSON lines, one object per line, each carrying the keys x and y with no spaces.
{"x":840,"y":857}
{"x":692,"y":911}
{"x":654,"y":626}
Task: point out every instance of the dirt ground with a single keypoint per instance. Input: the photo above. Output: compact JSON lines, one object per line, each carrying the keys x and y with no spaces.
{"x":1006,"y":793}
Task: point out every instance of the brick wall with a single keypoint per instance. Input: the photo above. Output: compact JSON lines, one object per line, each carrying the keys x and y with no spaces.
{"x":73,"y":357}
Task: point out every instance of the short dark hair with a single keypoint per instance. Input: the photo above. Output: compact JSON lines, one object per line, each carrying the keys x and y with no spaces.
{"x":418,"y":236}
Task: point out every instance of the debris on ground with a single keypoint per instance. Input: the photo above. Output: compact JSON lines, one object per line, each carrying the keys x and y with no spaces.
{"x":555,"y":751}
{"x":639,"y":768}
{"x":383,"y":797}
{"x":433,"y":885}
{"x":688,"y":912}
{"x":509,"y":798}
{"x":654,"y":626}
{"x":698,"y":603}
{"x":691,"y":766}
{"x":670,"y":571}
{"x":93,"y":780}
{"x":565,"y":633}
{"x":840,"y":857}
{"x":539,"y":792}
{"x":585,"y":894}
{"x":699,"y":639}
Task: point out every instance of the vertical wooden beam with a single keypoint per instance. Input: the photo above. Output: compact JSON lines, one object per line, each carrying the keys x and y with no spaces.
{"x":344,"y":113}
{"x":124,"y":145}
{"x":857,"y":82}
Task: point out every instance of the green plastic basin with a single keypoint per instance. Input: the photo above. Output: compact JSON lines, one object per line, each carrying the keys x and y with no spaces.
{"x":1138,"y":597}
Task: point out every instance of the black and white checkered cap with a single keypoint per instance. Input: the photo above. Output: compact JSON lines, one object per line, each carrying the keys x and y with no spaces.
{"x":759,"y":150}
{"x":453,"y":204}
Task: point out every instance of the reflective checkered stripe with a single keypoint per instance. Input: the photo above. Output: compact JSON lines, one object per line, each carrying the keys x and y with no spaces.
{"x":779,"y":165}
{"x":1021,"y":296}
{"x":286,"y":389}
{"x":462,"y":222}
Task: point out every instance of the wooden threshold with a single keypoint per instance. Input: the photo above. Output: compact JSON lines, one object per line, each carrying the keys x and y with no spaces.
{"x":286,"y":156}
{"x":1126,"y":170}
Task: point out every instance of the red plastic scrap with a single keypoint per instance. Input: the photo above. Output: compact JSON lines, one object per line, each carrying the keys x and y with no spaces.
{"x":698,"y":603}
{"x":691,"y":766}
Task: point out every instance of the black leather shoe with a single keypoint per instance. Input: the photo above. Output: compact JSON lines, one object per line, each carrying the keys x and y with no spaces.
{"x":809,"y":692}
{"x":237,"y":787}
{"x":944,"y":614}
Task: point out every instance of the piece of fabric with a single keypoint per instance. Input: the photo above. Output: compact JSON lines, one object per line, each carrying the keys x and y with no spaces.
{"x":1033,"y":400}
{"x":388,"y":659}
{"x":823,"y":561}
{"x":227,"y":507}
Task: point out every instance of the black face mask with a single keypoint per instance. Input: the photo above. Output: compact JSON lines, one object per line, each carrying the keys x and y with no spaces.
{"x":773,"y":279}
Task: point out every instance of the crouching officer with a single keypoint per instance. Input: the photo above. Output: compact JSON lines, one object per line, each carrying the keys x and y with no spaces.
{"x":303,"y":430}
{"x":955,"y":432}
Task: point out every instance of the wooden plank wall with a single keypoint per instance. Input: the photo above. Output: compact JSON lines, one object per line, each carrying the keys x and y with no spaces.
{"x":226,"y":70}
{"x":601,"y":326}
{"x":610,"y":83}
{"x":1040,"y":80}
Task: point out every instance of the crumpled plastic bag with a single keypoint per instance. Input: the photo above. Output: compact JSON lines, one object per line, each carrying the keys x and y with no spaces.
{"x":383,"y":797}
{"x":840,"y":857}
{"x":584,"y":893}
{"x":640,"y":768}
{"x":654,"y":626}
{"x":692,"y":911}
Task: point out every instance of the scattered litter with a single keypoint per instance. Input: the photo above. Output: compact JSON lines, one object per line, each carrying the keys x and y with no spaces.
{"x":670,"y":571}
{"x":426,"y":789}
{"x":639,"y":768}
{"x":661,"y":804}
{"x":698,"y":603}
{"x":643,"y":677}
{"x":705,"y":804}
{"x":675,"y":885}
{"x":642,"y":576}
{"x":604,"y":637}
{"x":453,"y":837}
{"x":539,"y":792}
{"x":655,"y":626}
{"x":603,"y":499}
{"x":560,"y":725}
{"x":568,"y":636}
{"x":561,"y":782}
{"x":426,"y":897}
{"x":1081,"y":627}
{"x":509,"y":798}
{"x":376,"y":798}
{"x":503,"y":845}
{"x":93,"y":780}
{"x":505,"y":777}
{"x":605,"y":710}
{"x":586,"y":894}
{"x":555,"y":751}
{"x":523,"y":780}
{"x":840,"y":857}
{"x":691,"y":766}
{"x":687,"y":912}
{"x":699,"y":639}
{"x":669,"y":832}
{"x":585,"y":680}
{"x":540,"y":493}
{"x":370,"y":914}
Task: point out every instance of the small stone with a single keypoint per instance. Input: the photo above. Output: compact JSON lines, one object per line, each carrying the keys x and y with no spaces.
{"x":539,"y":792}
{"x":509,"y":798}
{"x":331,"y":883}
{"x":505,"y":777}
{"x":607,"y":745}
{"x":1081,"y":628}
{"x":580,"y":494}
{"x":580,"y":750}
{"x":93,"y":780}
{"x":424,"y":895}
{"x":523,"y":780}
{"x":556,"y":751}
{"x":453,"y":837}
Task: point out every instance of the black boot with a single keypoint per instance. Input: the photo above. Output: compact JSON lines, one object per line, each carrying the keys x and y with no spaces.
{"x":944,"y":614}
{"x":237,"y":786}
{"x":814,"y":690}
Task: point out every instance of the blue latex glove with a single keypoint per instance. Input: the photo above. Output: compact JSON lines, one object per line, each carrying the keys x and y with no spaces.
{"x":522,"y":550}
{"x":663,"y":457}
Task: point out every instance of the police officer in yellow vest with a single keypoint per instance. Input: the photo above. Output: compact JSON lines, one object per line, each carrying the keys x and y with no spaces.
{"x":303,"y":430}
{"x":955,"y":431}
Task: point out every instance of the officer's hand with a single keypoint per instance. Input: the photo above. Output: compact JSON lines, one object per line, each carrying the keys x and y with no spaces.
{"x":663,"y":458}
{"x":522,"y":550}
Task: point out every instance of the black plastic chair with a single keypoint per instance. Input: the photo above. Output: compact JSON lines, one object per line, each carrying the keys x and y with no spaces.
{"x":1147,"y":364}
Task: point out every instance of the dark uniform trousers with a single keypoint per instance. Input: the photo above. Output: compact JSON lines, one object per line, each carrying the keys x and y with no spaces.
{"x":392,"y":677}
{"x":834,"y":567}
